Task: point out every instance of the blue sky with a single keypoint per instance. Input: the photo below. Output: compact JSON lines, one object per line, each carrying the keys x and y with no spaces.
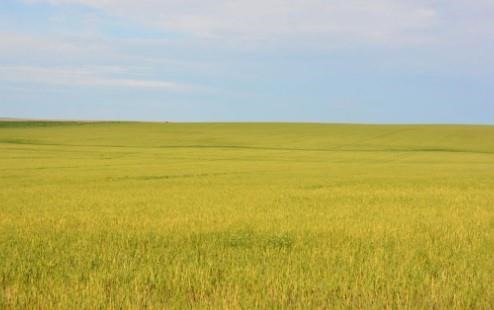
{"x":380,"y":61}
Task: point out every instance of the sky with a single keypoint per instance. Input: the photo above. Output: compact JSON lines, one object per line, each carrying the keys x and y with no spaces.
{"x":356,"y":61}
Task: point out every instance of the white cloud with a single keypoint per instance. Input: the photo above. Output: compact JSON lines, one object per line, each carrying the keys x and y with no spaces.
{"x":321,"y":23}
{"x":89,"y":76}
{"x":137,"y":59}
{"x":381,"y":21}
{"x":69,"y":48}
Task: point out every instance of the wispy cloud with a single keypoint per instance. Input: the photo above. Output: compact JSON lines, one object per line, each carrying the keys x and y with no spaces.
{"x":43,"y":47}
{"x":323,"y":23}
{"x":340,"y":21}
{"x":92,"y":77}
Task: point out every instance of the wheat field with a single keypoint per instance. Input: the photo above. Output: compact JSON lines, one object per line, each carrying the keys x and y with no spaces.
{"x":125,"y":215}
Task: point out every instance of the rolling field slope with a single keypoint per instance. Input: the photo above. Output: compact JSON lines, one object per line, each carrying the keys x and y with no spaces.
{"x":135,"y":215}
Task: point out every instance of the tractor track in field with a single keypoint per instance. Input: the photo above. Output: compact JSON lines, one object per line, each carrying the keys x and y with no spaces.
{"x":343,"y":148}
{"x":170,"y":176}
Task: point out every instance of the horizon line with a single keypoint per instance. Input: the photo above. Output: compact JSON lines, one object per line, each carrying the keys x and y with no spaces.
{"x":69,"y":120}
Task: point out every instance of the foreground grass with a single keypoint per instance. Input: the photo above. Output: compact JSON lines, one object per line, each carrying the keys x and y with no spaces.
{"x":129,"y":215}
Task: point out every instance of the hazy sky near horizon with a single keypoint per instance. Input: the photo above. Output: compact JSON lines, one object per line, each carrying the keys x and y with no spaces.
{"x":377,"y":61}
